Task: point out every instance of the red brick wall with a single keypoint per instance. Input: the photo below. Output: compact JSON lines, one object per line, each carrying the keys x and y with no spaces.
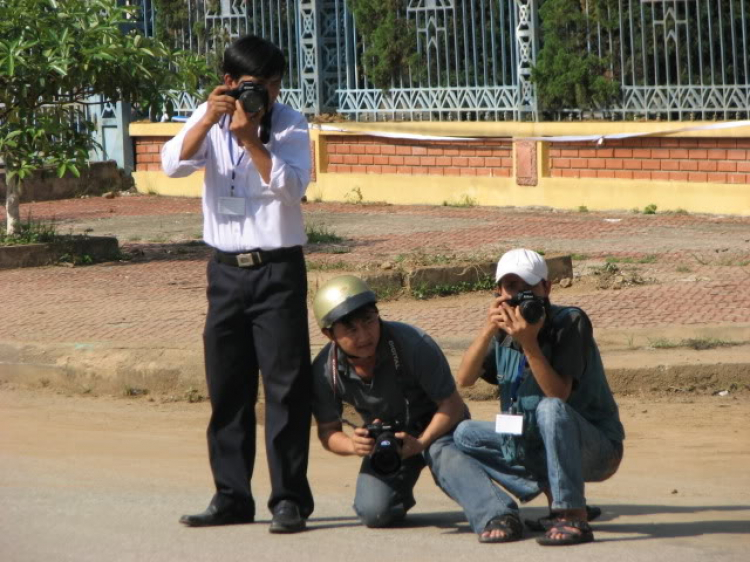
{"x":148,"y":153}
{"x":374,"y":155}
{"x":718,"y":160}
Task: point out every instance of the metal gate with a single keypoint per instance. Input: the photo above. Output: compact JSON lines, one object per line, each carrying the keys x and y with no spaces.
{"x":475,"y":62}
{"x":206,"y":27}
{"x":675,"y":59}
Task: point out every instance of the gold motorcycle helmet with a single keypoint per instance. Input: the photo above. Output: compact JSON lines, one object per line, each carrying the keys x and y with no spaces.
{"x":340,"y":296}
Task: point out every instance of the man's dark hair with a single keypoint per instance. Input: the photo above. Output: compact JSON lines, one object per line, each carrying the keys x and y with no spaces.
{"x":253,"y":56}
{"x":358,"y":314}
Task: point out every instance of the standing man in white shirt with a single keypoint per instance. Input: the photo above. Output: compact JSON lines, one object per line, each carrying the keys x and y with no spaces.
{"x":256,"y":156}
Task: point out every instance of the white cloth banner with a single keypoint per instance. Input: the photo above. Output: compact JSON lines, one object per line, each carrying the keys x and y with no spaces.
{"x":598,"y":139}
{"x":411,"y":136}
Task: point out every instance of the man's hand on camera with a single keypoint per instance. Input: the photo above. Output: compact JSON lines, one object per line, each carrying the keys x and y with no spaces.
{"x":495,"y":314}
{"x":516,"y":326}
{"x":219,"y":104}
{"x":246,"y":126}
{"x":411,"y":445}
{"x":362,"y":442}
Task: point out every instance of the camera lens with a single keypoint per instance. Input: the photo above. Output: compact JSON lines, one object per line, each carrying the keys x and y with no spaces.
{"x":532,"y":311}
{"x":252,"y":101}
{"x":386,"y":454}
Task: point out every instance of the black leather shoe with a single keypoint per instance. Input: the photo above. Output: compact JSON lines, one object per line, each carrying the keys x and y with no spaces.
{"x":287,"y":518}
{"x":213,"y":517}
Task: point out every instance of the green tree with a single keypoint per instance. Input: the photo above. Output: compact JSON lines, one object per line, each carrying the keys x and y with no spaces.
{"x":54,"y":56}
{"x":567,"y":75}
{"x":390,"y":40}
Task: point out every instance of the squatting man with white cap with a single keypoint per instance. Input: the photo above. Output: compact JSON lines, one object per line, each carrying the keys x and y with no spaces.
{"x":399,"y":382}
{"x":559,"y":424}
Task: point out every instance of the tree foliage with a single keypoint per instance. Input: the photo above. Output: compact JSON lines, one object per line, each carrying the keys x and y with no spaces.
{"x":389,"y":39}
{"x":567,"y":75}
{"x":54,"y":56}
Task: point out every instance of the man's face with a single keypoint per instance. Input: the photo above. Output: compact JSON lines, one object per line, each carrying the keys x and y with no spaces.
{"x":510,"y":285}
{"x":273,"y":85}
{"x":358,"y":337}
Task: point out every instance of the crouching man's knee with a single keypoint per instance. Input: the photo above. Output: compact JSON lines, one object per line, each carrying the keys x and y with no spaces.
{"x":550,"y":412}
{"x":379,"y":514}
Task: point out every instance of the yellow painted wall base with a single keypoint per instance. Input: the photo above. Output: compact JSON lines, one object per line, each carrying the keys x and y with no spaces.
{"x":158,"y":183}
{"x":551,"y":192}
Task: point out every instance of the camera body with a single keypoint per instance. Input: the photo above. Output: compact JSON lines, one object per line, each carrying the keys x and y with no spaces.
{"x":252,"y":95}
{"x":385,"y":457}
{"x":531,"y":306}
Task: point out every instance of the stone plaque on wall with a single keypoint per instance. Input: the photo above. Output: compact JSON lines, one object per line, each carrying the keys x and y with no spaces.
{"x":526,"y":173}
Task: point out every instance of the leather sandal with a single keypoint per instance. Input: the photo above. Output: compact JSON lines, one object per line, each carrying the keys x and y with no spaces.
{"x":545,"y":523}
{"x":573,"y":532}
{"x":509,"y":524}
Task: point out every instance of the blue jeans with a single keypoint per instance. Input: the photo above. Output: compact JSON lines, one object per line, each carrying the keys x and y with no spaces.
{"x":383,"y":500}
{"x":574,"y":452}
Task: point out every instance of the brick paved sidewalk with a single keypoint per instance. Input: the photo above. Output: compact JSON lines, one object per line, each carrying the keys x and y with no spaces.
{"x":697,"y":267}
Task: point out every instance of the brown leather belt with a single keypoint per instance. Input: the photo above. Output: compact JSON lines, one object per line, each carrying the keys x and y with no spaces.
{"x":255,"y":258}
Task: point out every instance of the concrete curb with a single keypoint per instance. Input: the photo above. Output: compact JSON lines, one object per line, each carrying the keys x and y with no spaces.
{"x":99,"y":248}
{"x":176,"y":372}
{"x":424,"y":279}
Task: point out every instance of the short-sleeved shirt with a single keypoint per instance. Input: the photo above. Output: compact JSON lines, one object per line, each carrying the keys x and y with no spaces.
{"x":411,"y":377}
{"x":570,"y":348}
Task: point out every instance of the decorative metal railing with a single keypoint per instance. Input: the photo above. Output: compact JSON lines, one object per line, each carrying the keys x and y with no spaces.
{"x":676,"y":59}
{"x":207,"y":26}
{"x":471,"y":53}
{"x":673,"y":59}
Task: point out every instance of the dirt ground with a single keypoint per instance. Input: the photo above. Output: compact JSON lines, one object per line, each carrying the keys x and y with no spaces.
{"x":101,"y":478}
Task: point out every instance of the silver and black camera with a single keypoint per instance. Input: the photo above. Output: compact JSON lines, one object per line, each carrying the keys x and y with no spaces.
{"x":385,"y":457}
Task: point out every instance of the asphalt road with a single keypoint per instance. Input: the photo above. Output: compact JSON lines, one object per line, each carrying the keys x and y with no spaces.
{"x":92,"y":479}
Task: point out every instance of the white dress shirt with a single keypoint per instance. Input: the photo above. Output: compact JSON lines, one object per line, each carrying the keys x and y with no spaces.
{"x":273,"y":212}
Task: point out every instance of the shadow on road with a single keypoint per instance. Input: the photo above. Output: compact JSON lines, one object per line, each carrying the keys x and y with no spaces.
{"x":669,"y":529}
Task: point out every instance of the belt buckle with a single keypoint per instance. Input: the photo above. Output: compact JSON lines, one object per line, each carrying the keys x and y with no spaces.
{"x":250,"y":259}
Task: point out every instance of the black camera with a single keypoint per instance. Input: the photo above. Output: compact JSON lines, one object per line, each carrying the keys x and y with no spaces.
{"x":531,"y":306}
{"x":252,"y":96}
{"x":385,"y":457}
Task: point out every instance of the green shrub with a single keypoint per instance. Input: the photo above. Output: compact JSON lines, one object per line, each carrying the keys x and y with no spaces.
{"x":29,"y":232}
{"x":567,"y":76}
{"x":389,"y":40}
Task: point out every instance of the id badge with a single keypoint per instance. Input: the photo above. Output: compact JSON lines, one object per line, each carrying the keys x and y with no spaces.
{"x":234,"y":206}
{"x":509,"y":424}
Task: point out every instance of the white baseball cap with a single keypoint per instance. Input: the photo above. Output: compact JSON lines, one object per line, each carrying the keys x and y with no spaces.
{"x":527,"y":264}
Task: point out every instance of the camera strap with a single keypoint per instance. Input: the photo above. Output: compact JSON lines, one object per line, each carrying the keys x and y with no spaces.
{"x":335,"y":381}
{"x":265,"y":126}
{"x":515,"y":384}
{"x":395,"y":353}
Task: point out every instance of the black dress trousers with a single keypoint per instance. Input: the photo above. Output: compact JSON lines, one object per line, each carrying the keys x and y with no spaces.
{"x":257,"y":321}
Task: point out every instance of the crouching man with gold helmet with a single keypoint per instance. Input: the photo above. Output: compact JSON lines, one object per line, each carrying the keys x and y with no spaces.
{"x":398,"y":380}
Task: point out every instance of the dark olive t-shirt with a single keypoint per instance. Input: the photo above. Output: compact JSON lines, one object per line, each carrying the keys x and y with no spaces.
{"x":570,"y":348}
{"x":411,"y":377}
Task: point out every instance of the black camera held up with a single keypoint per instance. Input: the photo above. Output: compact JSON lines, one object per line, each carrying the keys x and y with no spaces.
{"x":385,"y":457}
{"x":252,"y":95}
{"x":531,"y":306}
